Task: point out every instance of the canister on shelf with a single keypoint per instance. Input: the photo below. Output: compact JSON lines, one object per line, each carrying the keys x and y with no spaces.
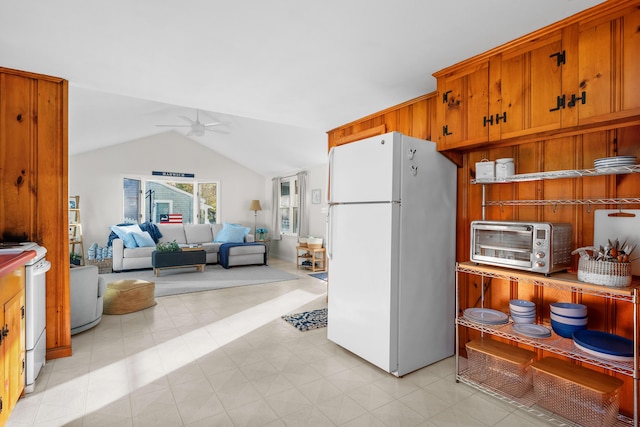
{"x":505,"y":167}
{"x":485,"y":169}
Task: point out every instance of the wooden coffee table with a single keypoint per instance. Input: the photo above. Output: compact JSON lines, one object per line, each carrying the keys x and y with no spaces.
{"x":188,"y":257}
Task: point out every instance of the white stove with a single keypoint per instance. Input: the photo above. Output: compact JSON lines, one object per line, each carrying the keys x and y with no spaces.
{"x":18,"y":247}
{"x":35,"y":307}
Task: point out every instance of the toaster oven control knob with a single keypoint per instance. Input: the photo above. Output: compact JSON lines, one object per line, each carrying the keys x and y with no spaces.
{"x":539,"y":255}
{"x":540,"y":264}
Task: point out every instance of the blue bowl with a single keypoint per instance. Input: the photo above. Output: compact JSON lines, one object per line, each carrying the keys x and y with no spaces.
{"x":564,"y":330}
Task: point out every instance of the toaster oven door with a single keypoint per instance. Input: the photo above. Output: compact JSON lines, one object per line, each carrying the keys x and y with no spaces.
{"x":503,"y":245}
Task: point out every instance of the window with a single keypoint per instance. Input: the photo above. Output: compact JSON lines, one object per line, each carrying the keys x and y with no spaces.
{"x":196,"y":202}
{"x":289,"y":200}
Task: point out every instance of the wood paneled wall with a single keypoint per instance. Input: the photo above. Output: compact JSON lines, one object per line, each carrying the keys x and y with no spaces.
{"x":412,"y":118}
{"x":34,"y":186}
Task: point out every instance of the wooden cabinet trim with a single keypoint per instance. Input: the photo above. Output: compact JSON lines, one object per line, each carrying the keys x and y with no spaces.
{"x":376,"y":130}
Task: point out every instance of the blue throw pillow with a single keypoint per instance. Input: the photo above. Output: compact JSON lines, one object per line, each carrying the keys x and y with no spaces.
{"x":143,"y":239}
{"x":125,"y":233}
{"x":232,"y":233}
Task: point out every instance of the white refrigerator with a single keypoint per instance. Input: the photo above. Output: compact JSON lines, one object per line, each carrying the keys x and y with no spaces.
{"x":391,"y":251}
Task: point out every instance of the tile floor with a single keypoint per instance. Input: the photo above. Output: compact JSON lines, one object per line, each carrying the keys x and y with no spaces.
{"x":225,"y":358}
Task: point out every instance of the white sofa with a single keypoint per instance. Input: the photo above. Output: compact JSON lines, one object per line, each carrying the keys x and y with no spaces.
{"x":186,"y":234}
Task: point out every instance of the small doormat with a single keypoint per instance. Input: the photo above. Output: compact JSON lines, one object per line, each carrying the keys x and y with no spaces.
{"x":308,"y":320}
{"x":321,"y":276}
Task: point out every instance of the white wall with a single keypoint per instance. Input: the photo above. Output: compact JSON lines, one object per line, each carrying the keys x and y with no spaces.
{"x":97,"y":176}
{"x":316,"y":179}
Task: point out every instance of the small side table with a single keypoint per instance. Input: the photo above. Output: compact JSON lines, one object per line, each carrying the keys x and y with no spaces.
{"x":317,"y":257}
{"x":266,"y":242}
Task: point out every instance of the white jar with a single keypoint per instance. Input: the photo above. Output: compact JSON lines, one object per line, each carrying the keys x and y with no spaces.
{"x":504,"y":168}
{"x":485,"y":169}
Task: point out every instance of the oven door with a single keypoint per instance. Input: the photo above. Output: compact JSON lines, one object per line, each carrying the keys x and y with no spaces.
{"x":508,"y":245}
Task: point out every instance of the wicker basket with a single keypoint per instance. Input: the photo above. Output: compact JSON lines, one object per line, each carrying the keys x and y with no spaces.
{"x":617,"y":274}
{"x":104,"y":266}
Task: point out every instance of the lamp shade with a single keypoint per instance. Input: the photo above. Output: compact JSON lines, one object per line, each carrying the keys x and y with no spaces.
{"x":255,"y":205}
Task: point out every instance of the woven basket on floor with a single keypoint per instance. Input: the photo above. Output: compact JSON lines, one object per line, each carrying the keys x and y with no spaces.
{"x":104,"y":265}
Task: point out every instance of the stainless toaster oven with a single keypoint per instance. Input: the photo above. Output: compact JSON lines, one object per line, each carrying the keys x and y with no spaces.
{"x":540,"y":247}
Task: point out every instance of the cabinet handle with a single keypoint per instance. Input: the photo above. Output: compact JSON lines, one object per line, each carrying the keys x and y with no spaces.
{"x":559,"y":103}
{"x":574,"y":98}
{"x":485,"y":120}
{"x":503,"y":117}
{"x":445,"y":130}
{"x":561,"y":57}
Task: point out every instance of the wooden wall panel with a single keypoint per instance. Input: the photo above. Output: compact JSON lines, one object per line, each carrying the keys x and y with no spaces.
{"x":33,"y":184}
{"x":52,"y":212}
{"x":412,"y":118}
{"x":18,"y":118}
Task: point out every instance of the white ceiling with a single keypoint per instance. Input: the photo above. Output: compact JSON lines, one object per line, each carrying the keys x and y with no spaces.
{"x":280,"y":72}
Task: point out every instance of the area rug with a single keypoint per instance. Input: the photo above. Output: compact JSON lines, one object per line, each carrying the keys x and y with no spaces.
{"x":321,"y":276}
{"x":308,"y":320}
{"x":186,"y":280}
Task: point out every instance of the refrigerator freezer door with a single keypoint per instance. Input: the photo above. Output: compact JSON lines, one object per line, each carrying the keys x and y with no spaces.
{"x":363,"y":171}
{"x":363,"y":286}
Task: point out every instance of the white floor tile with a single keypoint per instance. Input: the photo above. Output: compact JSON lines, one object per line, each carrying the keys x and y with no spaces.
{"x":225,"y":358}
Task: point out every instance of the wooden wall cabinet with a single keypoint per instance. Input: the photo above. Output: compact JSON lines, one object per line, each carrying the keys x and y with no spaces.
{"x":34,"y":184}
{"x":510,"y":94}
{"x":575,"y":75}
{"x":462,"y":104}
{"x":608,"y":56}
{"x":12,"y":344}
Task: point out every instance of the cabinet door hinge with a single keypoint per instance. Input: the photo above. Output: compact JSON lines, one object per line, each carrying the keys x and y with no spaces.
{"x":574,"y":99}
{"x":502,"y":117}
{"x":560,"y":100}
{"x":22,"y":311}
{"x":561,"y":57}
{"x":445,"y":97}
{"x":445,"y":130}
{"x":486,"y":120}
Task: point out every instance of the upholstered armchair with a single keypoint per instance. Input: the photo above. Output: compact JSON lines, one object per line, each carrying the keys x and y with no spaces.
{"x":86,"y":294}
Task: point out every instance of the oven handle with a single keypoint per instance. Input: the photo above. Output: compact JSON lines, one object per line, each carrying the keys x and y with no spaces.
{"x":41,"y":267}
{"x":492,"y":227}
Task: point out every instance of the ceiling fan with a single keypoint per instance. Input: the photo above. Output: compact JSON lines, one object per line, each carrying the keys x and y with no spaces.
{"x":197,"y":128}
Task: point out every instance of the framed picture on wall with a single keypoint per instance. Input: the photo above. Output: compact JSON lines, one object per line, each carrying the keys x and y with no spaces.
{"x":315,"y":196}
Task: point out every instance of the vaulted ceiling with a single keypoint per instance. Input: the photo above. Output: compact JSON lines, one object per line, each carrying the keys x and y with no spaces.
{"x":278,"y":73}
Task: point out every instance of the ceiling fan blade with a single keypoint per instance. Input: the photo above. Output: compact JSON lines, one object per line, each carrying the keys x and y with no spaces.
{"x":188,"y":120}
{"x":217,"y":130}
{"x":213,"y":124}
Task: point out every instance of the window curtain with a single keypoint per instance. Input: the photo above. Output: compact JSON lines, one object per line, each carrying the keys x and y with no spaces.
{"x":303,"y":217}
{"x":275,"y":210}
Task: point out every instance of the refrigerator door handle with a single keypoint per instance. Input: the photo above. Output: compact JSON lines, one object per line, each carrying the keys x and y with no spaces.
{"x":330,"y":193}
{"x":330,"y":232}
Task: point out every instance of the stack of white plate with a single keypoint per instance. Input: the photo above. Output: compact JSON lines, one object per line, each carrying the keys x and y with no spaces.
{"x":614,"y":162}
{"x":486,"y":316}
{"x":522,"y":311}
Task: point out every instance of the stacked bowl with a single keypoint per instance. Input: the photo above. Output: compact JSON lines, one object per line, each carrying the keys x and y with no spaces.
{"x":567,"y":318}
{"x":522,"y":311}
